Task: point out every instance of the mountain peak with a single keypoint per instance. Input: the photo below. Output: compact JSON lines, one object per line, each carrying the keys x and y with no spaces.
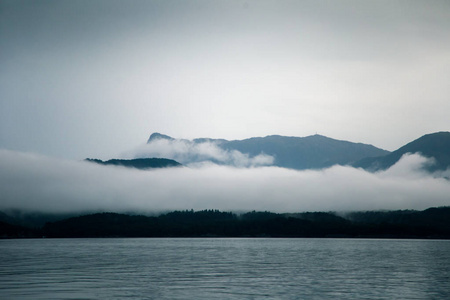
{"x":318,"y":136}
{"x":159,"y":136}
{"x":435,"y":145}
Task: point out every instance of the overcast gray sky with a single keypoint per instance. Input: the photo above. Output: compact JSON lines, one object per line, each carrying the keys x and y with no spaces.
{"x":94,"y":78}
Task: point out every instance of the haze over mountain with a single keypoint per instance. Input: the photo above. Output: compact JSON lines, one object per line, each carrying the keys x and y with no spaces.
{"x":33,"y":183}
{"x":300,"y":153}
{"x":434,"y":145}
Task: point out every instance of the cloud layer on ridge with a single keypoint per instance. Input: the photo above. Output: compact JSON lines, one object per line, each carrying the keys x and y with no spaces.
{"x":31,"y":182}
{"x":188,"y":152}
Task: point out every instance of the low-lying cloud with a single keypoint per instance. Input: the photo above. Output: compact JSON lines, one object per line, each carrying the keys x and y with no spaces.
{"x":188,"y":152}
{"x":35,"y":183}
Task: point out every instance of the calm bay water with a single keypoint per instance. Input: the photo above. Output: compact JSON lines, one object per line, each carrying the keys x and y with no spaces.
{"x":224,"y":269}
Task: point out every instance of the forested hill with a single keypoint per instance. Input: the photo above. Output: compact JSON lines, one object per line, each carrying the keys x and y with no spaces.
{"x":138,"y":163}
{"x":430,"y":223}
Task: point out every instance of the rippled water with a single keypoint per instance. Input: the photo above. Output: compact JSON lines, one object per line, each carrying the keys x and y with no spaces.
{"x":224,"y":269}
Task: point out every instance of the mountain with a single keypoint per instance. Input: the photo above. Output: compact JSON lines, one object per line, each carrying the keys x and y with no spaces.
{"x":156,"y":136}
{"x":311,"y":152}
{"x":434,"y":145}
{"x":139,"y":163}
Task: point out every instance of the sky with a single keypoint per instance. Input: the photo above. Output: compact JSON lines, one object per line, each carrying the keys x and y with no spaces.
{"x":95,"y":78}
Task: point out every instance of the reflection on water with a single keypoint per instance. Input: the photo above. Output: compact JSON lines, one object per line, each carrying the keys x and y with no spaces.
{"x":224,"y":269}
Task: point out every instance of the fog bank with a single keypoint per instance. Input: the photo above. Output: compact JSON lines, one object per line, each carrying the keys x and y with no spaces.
{"x":36,"y":183}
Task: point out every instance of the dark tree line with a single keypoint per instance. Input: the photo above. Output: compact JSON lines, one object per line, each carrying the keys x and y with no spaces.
{"x":430,"y":223}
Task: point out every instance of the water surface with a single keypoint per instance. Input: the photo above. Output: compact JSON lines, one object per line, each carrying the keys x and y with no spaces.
{"x":224,"y":269}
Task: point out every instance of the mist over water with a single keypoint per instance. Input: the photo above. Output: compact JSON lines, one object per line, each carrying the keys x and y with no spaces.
{"x":37,"y":183}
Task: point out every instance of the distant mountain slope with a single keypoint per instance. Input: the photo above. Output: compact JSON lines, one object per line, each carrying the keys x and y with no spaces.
{"x":139,"y":163}
{"x":312,"y":152}
{"x":14,"y":231}
{"x":436,"y":145}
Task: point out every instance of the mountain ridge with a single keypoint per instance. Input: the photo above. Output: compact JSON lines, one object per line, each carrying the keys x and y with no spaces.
{"x":310,"y":152}
{"x":433,"y":145}
{"x":138,"y":163}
